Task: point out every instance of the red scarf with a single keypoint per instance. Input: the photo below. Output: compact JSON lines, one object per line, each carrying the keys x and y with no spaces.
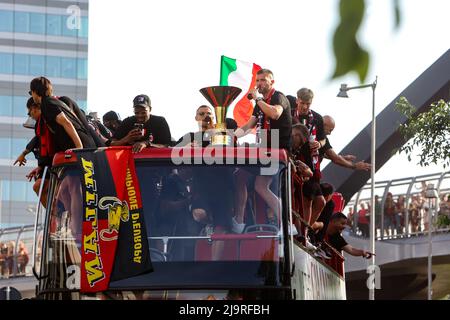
{"x":266,"y":122}
{"x":47,"y":148}
{"x":314,"y":156}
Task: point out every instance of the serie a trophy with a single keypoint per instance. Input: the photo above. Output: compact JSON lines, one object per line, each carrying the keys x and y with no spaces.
{"x":220,"y":97}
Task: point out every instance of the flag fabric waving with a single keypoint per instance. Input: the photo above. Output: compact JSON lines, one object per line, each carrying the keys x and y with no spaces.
{"x":239,"y":74}
{"x":114,"y":239}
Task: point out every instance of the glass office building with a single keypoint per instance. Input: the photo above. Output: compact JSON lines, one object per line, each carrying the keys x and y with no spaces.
{"x":37,"y":38}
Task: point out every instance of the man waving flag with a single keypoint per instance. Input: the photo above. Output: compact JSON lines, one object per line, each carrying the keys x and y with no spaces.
{"x":239,"y":74}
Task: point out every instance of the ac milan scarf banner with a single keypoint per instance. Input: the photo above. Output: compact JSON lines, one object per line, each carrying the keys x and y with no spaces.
{"x":114,"y":238}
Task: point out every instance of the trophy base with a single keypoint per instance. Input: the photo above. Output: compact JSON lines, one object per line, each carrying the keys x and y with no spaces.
{"x":221,"y":140}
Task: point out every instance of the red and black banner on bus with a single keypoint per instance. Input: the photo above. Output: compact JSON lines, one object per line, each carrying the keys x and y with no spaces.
{"x":114,"y":238}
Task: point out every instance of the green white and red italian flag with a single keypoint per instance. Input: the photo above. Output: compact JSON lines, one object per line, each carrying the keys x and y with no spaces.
{"x":239,"y":74}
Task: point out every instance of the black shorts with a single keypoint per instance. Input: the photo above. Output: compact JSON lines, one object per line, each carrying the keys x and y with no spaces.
{"x":311,"y":189}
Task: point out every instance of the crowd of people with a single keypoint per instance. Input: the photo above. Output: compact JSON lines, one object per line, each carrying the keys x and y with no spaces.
{"x":10,"y":258}
{"x":289,"y":123}
{"x":397,"y":215}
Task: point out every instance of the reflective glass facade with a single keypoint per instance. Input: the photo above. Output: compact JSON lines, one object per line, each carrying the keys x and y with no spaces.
{"x":37,"y":38}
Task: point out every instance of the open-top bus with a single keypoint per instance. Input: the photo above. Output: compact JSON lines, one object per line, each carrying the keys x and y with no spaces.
{"x":194,"y":254}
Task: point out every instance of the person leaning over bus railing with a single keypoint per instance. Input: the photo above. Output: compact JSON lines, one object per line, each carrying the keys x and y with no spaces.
{"x":45,"y":153}
{"x":32,"y":146}
{"x":334,"y":238}
{"x":65,"y":129}
{"x":326,"y":151}
{"x":143,"y":129}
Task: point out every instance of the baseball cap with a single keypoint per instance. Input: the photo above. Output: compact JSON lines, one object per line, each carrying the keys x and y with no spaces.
{"x":141,"y":100}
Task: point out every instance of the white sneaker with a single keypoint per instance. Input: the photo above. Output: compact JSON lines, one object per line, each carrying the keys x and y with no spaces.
{"x":237,"y":227}
{"x":310,"y":246}
{"x":293,"y":230}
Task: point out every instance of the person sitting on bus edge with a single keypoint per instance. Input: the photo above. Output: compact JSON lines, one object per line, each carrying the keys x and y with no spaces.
{"x":313,"y":200}
{"x":143,"y":129}
{"x":111,"y":120}
{"x":272,"y":112}
{"x":334,"y":238}
{"x":299,"y":138}
{"x":326,"y":151}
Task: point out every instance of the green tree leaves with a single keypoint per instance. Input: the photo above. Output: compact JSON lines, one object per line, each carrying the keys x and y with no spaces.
{"x":350,"y":56}
{"x":347,"y":51}
{"x":429,"y":131}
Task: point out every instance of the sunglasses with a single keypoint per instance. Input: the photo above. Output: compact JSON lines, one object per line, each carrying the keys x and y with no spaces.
{"x":29,"y":92}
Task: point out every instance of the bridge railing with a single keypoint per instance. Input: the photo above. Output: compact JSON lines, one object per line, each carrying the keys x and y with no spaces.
{"x":402,"y":218}
{"x":15,"y":251}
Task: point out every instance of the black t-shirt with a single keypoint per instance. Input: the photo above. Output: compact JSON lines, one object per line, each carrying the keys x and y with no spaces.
{"x":317,"y":121}
{"x":326,"y":146}
{"x":155,"y":126}
{"x":337,"y":241}
{"x":325,"y":217}
{"x":190,"y":137}
{"x":284,"y":122}
{"x":50,"y":109}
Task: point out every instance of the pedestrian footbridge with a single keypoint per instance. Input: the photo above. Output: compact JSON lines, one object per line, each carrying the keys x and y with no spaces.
{"x":402,"y":240}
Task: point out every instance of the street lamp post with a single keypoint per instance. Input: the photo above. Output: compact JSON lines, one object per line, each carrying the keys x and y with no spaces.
{"x":430,"y":194}
{"x":343,"y":94}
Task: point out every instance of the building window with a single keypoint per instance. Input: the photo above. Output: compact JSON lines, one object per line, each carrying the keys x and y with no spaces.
{"x":5,"y":190}
{"x":5,"y":106}
{"x":20,"y":106}
{"x":5,"y":148}
{"x":6,"y":21}
{"x":37,"y":23}
{"x":68,"y":68}
{"x":53,"y":66}
{"x":83,"y":32}
{"x":18,"y":190}
{"x":21,"y":64}
{"x":54,"y":25}
{"x":6,"y":63}
{"x":21,"y":21}
{"x":37,"y":65}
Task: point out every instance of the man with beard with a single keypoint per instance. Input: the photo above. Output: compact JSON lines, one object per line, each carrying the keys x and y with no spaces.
{"x":272,"y":113}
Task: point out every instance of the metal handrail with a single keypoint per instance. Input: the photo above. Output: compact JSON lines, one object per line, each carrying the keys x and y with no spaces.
{"x":387,"y":185}
{"x":38,"y":207}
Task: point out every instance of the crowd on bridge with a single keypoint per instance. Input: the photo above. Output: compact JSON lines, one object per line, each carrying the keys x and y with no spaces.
{"x":302,"y":132}
{"x":399,"y":214}
{"x":12,"y":261}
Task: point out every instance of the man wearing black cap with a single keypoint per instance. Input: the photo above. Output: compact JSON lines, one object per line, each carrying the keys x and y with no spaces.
{"x":143,"y":129}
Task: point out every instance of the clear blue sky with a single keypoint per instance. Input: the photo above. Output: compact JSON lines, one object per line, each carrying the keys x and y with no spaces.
{"x":171,"y":49}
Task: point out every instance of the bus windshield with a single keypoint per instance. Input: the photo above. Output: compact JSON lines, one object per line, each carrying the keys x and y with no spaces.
{"x":216,"y":226}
